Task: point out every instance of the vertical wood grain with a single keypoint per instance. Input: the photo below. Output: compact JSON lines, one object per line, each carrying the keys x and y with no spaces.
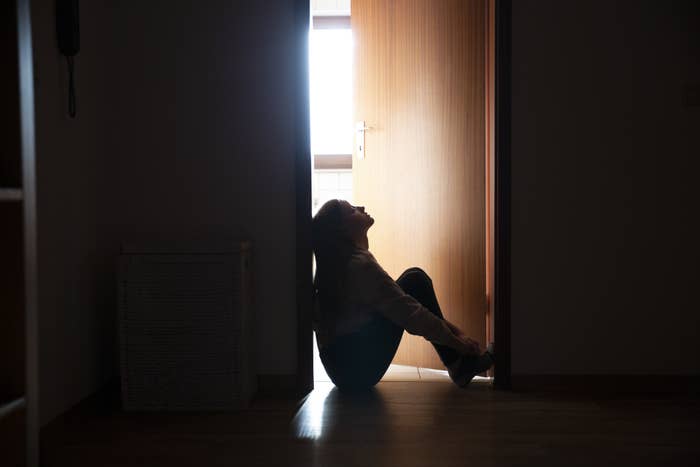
{"x":419,"y":82}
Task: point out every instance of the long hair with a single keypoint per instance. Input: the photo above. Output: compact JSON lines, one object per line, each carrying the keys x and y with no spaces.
{"x":332,"y":249}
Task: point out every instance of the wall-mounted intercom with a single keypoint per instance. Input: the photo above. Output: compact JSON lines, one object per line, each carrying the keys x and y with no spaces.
{"x":68,"y":36}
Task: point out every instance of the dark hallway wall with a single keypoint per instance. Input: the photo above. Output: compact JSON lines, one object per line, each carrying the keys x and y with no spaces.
{"x":76,"y":313}
{"x":185,"y":130}
{"x":605,"y":166}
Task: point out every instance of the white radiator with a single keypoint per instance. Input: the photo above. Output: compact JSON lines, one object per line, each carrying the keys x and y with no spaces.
{"x":186,"y":328}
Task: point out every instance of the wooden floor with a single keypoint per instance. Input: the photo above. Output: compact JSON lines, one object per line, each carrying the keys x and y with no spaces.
{"x":404,"y":373}
{"x":398,"y":424}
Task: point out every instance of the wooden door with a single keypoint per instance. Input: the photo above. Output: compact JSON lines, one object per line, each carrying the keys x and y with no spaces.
{"x":419,"y":85}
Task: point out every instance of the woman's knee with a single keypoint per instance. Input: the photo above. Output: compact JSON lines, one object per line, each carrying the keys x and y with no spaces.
{"x":414,"y":277}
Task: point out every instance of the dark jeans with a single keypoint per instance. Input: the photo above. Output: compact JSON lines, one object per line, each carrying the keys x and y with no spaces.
{"x":359,"y":360}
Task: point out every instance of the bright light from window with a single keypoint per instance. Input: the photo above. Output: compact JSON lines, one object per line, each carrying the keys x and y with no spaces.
{"x":330,"y":60}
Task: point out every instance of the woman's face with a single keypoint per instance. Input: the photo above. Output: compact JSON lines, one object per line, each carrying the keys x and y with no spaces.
{"x":356,"y":222}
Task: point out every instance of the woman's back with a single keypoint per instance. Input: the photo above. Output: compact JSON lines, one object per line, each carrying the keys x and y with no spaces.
{"x":351,"y":307}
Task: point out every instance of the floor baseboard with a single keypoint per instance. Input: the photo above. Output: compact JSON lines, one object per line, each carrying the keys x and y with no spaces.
{"x":608,"y":384}
{"x":277,"y":385}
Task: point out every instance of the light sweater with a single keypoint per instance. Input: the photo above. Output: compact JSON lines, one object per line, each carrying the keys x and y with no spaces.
{"x":368,"y":289}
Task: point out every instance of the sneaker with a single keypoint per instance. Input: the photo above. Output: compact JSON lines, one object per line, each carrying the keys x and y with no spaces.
{"x":468,"y":366}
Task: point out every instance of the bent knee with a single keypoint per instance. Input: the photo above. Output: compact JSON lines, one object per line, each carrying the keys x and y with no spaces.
{"x":414,"y":276}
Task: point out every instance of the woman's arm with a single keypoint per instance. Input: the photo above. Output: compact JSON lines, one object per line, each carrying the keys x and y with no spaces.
{"x":408,"y":313}
{"x":476,"y":349}
{"x":372,"y":286}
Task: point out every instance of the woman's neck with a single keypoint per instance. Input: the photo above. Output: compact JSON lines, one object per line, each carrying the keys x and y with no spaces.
{"x":362,"y":243}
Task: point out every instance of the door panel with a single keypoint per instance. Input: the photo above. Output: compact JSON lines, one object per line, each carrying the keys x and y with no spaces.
{"x":419,"y":84}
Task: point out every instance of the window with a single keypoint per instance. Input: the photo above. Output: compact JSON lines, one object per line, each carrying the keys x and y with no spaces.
{"x":330,"y":61}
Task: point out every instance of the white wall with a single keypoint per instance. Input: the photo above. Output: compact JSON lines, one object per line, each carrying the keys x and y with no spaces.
{"x":605,"y":163}
{"x":185,"y":129}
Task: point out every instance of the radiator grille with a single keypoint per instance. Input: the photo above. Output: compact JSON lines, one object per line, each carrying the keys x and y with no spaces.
{"x":186,"y":331}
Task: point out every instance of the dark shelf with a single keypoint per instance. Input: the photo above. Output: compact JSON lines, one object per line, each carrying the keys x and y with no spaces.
{"x":7,"y":408}
{"x":11,"y":194}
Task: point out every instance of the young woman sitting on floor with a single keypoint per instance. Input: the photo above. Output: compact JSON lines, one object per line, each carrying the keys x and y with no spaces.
{"x":360,"y":312}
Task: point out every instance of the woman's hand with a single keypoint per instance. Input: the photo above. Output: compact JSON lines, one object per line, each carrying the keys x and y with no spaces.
{"x":467,"y":346}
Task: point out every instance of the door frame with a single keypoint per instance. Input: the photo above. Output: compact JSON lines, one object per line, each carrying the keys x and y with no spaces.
{"x":25,"y":64}
{"x":302,"y":203}
{"x":502,"y":195}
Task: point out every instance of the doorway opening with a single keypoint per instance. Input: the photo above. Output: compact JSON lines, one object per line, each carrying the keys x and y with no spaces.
{"x":346,"y":139}
{"x":330,"y":95}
